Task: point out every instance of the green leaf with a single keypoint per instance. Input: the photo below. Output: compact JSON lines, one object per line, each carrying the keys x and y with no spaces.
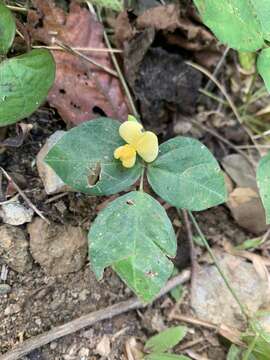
{"x":250,"y":244}
{"x":235,"y":22}
{"x":263,"y":65}
{"x":165,"y":357}
{"x":234,"y":353}
{"x":261,"y":10}
{"x":24,"y":84}
{"x":187,"y":175}
{"x":263,"y":180}
{"x":7,"y":29}
{"x":116,"y":5}
{"x":166,"y":339}
{"x":83,"y":158}
{"x":135,"y":236}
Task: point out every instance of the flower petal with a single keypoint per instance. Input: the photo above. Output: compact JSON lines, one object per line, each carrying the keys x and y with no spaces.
{"x":131,"y":131}
{"x":129,"y":163}
{"x":127,"y":154}
{"x":147,"y":146}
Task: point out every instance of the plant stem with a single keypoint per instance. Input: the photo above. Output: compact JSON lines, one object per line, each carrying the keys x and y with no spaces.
{"x":251,"y":347}
{"x":141,"y":180}
{"x":224,"y":277}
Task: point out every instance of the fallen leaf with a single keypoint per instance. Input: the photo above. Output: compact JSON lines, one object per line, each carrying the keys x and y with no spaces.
{"x":104,"y":346}
{"x":81,"y":91}
{"x":240,"y":170}
{"x":133,"y":349}
{"x":247,"y":209}
{"x":160,"y":18}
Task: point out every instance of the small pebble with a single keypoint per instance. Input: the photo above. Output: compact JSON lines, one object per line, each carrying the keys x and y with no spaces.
{"x":4,"y":289}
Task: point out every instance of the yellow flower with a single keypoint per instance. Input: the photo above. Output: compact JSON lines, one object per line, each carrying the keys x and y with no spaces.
{"x":145,"y":143}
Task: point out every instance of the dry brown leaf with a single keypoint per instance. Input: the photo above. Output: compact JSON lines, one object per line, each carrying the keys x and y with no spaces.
{"x":81,"y":91}
{"x":247,"y":209}
{"x":260,"y":263}
{"x":160,"y":18}
{"x":133,"y":349}
{"x":168,"y":18}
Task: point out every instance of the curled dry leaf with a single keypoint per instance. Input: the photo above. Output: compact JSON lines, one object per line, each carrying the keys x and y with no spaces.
{"x":160,"y":18}
{"x":81,"y":91}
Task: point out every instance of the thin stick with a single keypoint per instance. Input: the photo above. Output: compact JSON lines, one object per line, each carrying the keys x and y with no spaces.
{"x":119,"y":72}
{"x":86,"y":58}
{"x":218,"y":67}
{"x":87,"y":320}
{"x":224,"y":92}
{"x":29,"y":202}
{"x":222,"y":139}
{"x":17,"y":8}
{"x":191,"y":249}
{"x":224,"y":277}
{"x":81,"y":49}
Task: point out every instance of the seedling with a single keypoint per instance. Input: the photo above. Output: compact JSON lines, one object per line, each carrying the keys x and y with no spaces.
{"x":133,"y":234}
{"x":158,"y":346}
{"x":25,"y":80}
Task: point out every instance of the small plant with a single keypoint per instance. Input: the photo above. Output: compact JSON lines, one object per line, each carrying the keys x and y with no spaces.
{"x":243,"y":25}
{"x":24,"y":80}
{"x":157,"y":347}
{"x":134,"y":234}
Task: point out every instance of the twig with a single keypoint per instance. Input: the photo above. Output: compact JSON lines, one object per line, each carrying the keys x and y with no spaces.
{"x":17,"y":8}
{"x":223,"y":139}
{"x":86,"y":58}
{"x":56,"y":197}
{"x":191,"y":249}
{"x":119,"y":72}
{"x":193,"y":321}
{"x":29,"y":202}
{"x":226,"y":95}
{"x":218,"y":67}
{"x":87,"y":320}
{"x":81,"y":49}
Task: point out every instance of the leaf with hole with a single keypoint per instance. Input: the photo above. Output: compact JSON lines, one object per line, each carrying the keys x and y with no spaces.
{"x":237,"y":23}
{"x":7,"y":29}
{"x":187,"y":175}
{"x":263,"y":65}
{"x":263,"y":180}
{"x":83,"y":159}
{"x":135,"y":236}
{"x":24,"y":84}
{"x":166,"y":339}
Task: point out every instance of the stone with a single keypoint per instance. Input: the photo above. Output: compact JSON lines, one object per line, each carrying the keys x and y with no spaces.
{"x":247,"y":209}
{"x":211,"y":299}
{"x":14,"y":213}
{"x":52,"y":182}
{"x":59,"y":249}
{"x":14,"y":249}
